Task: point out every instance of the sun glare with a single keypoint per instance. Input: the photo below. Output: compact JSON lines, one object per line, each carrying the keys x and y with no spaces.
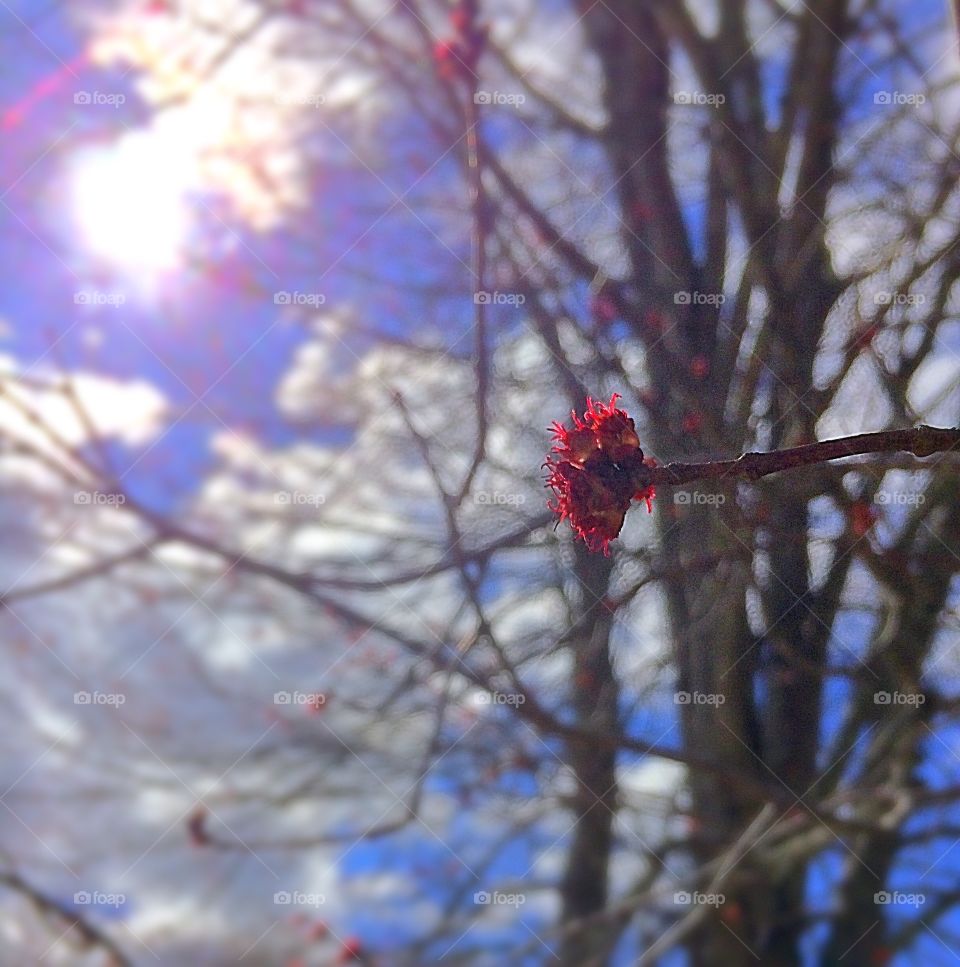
{"x":130,"y":204}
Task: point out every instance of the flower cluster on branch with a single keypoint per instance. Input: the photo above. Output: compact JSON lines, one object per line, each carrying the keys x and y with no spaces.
{"x":597,"y":468}
{"x":593,"y":467}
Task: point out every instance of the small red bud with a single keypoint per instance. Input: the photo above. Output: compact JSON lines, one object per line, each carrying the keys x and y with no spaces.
{"x":862,"y":518}
{"x":593,"y":472}
{"x":653,"y":320}
{"x":603,"y":309}
{"x":351,"y":949}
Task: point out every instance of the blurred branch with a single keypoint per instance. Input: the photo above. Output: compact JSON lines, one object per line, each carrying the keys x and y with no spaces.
{"x":479,"y":207}
{"x":90,"y":934}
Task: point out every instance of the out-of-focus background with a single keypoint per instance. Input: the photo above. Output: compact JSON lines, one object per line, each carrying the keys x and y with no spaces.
{"x":298,"y":670}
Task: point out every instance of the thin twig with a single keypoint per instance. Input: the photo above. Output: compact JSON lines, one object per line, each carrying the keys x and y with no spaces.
{"x":921,"y":441}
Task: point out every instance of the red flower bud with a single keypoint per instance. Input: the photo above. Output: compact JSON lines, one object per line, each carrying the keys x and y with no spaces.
{"x":350,"y":950}
{"x":446,"y":54}
{"x":593,"y":470}
{"x":863,"y":339}
{"x":862,"y":518}
{"x":603,"y":309}
{"x":456,"y":57}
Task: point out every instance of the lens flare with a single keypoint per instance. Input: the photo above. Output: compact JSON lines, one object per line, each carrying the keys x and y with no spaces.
{"x":130,"y":204}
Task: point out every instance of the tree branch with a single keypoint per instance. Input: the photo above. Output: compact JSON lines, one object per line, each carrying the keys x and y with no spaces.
{"x":921,"y":441}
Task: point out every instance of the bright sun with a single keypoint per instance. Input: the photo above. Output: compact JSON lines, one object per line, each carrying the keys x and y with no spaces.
{"x":130,"y":205}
